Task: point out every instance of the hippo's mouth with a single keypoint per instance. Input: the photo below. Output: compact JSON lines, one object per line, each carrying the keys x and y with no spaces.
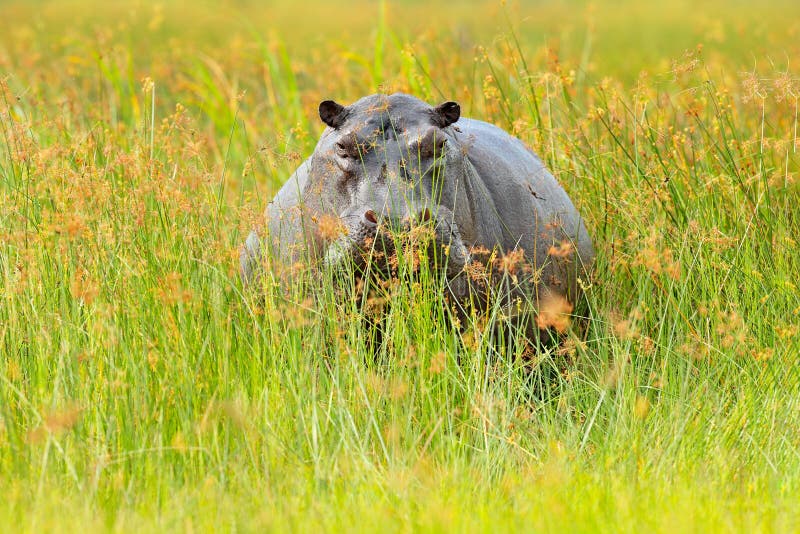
{"x":376,"y":245}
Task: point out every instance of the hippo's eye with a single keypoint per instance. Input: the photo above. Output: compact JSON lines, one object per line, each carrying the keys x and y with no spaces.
{"x":430,"y":145}
{"x":341,"y":150}
{"x":438,"y":150}
{"x":346,"y":149}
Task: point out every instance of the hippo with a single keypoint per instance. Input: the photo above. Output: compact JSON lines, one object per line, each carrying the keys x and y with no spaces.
{"x":393,"y":161}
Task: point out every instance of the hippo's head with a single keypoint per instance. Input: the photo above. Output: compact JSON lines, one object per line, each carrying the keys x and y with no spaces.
{"x":389,"y":162}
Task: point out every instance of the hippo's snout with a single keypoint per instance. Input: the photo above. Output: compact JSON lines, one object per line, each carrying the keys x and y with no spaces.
{"x":354,"y":242}
{"x":375,"y":239}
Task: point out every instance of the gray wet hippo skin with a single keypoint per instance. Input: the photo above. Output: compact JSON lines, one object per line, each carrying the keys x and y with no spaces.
{"x":393,"y":162}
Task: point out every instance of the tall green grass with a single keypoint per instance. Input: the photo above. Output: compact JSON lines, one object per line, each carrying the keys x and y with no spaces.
{"x":140,"y":389}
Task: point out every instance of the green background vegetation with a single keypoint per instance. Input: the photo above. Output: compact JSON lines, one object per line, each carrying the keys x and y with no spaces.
{"x":139,"y":389}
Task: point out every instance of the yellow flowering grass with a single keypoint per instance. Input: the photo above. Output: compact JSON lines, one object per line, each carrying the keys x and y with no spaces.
{"x":140,"y":389}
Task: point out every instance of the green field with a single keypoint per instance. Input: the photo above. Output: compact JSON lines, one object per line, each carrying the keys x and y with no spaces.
{"x":141,"y":390}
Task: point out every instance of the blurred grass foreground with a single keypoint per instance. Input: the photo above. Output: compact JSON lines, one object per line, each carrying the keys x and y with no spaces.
{"x":141,"y":390}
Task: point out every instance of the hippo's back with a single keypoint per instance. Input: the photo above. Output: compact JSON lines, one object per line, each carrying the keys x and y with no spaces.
{"x":519,"y":186}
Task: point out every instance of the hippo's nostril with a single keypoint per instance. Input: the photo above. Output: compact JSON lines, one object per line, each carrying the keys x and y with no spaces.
{"x":370,"y":216}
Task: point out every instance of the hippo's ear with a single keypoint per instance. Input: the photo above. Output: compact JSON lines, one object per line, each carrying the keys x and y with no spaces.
{"x":332,"y":114}
{"x":446,"y":114}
